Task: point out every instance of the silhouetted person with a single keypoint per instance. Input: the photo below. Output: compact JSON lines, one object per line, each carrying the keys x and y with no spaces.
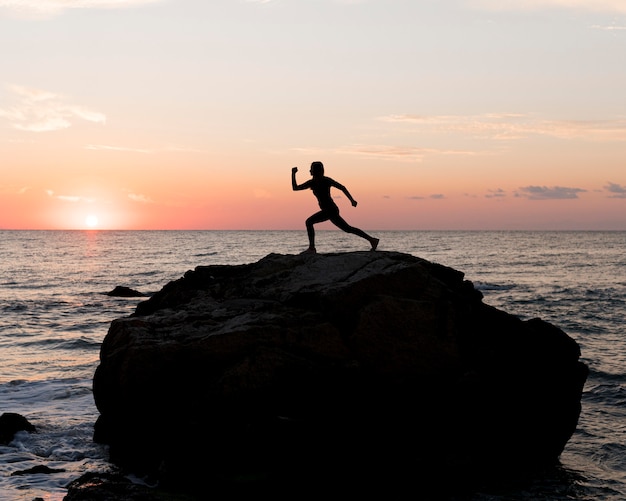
{"x":321,"y":185}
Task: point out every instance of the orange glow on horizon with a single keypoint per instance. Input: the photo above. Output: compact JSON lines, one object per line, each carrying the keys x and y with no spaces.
{"x":274,"y":206}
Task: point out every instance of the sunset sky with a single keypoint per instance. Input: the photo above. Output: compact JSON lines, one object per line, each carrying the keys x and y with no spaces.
{"x":190,"y":114}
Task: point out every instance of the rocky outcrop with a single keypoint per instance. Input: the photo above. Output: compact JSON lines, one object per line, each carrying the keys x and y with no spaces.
{"x":361,"y":370}
{"x":40,"y":469}
{"x":10,"y":424}
{"x":123,"y":291}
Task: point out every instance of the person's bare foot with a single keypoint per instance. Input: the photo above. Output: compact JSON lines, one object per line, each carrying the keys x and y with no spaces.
{"x":310,"y":250}
{"x":374,"y":242}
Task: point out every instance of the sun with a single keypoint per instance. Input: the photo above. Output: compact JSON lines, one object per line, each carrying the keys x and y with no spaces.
{"x":91,"y":221}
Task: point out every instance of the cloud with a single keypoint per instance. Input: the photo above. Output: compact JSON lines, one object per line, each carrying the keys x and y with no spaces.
{"x":592,"y":130}
{"x":498,"y":193}
{"x":491,"y":125}
{"x":397,"y":152}
{"x":42,"y":111}
{"x":514,"y":126}
{"x":43,"y":7}
{"x":545,"y":193}
{"x":434,"y":196}
{"x":69,"y":198}
{"x":136,"y":197}
{"x":533,"y":5}
{"x":14,"y":190}
{"x":106,"y":147}
{"x":407,"y":153}
{"x":616,"y":190}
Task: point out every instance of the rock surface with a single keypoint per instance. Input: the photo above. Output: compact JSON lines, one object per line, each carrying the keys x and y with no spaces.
{"x":113,"y":487}
{"x":360,"y":371}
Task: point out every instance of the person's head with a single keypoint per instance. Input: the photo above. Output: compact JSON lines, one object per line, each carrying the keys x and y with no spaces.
{"x":317,"y":169}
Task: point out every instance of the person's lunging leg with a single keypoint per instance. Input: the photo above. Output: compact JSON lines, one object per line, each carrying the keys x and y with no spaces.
{"x":341,"y":223}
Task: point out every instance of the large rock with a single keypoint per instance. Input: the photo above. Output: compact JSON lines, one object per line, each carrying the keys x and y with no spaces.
{"x":364,"y":370}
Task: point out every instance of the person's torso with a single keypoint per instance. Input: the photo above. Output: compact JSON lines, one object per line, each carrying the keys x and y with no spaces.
{"x":321,"y":189}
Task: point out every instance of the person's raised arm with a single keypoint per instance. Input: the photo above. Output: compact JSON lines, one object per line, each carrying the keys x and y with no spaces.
{"x":294,"y":185}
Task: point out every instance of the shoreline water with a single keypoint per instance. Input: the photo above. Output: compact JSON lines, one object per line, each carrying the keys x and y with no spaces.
{"x":54,"y":315}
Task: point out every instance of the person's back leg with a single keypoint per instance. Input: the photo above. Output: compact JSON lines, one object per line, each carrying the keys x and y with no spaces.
{"x":341,"y":223}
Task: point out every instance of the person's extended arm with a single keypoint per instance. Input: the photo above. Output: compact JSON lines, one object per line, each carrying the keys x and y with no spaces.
{"x":345,"y":192}
{"x":294,"y":185}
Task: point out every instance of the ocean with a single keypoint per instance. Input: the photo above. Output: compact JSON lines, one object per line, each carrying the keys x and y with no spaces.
{"x":54,"y":314}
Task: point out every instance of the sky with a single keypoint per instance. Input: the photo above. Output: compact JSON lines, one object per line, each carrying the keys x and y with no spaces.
{"x":435,"y":114}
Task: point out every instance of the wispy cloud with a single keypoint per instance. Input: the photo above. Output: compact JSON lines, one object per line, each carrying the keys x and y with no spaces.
{"x":434,"y":196}
{"x":491,"y":125}
{"x":397,"y":152}
{"x":137,"y":197}
{"x":70,"y":198}
{"x":407,"y":153}
{"x":615,"y":190}
{"x":43,"y":7}
{"x":526,"y":5}
{"x":513,"y":126}
{"x":498,"y":193}
{"x":553,"y":193}
{"x":107,"y":147}
{"x":593,"y":130}
{"x":14,"y":190}
{"x":37,"y":110}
